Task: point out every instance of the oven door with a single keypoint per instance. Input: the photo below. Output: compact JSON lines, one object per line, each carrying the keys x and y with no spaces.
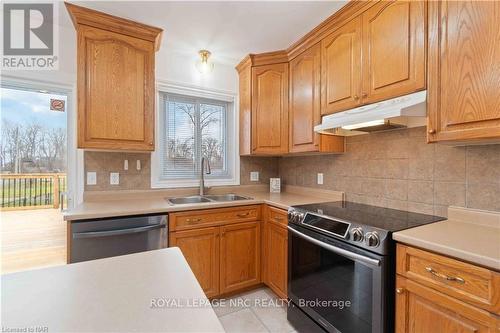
{"x":337,"y":285}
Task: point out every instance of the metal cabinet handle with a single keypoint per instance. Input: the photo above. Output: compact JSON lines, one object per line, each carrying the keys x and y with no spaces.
{"x":364,"y":95}
{"x":432,"y":131}
{"x":356,"y":97}
{"x":243,"y":214}
{"x":107,"y":233}
{"x":193,"y":220}
{"x":278,"y":218}
{"x":399,"y":290}
{"x":444,"y":276}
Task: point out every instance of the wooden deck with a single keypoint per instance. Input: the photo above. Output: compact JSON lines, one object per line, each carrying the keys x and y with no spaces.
{"x":32,"y":239}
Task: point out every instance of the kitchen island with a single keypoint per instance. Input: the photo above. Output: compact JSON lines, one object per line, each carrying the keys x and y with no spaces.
{"x":153,"y":291}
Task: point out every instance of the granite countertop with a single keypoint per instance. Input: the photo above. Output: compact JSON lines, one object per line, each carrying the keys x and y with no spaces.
{"x":119,"y":294}
{"x":469,"y":235}
{"x":154,"y":201}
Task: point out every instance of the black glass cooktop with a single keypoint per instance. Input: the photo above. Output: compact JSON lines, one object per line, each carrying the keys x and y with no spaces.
{"x":378,"y":217}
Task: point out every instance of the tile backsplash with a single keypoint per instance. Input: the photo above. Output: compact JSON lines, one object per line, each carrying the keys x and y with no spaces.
{"x":395,"y":169}
{"x":105,"y":162}
{"x":398,"y":169}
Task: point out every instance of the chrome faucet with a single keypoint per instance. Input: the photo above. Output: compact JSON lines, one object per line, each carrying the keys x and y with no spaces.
{"x":204,"y":169}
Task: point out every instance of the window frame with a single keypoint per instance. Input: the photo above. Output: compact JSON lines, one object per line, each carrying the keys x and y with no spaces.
{"x":232,"y":152}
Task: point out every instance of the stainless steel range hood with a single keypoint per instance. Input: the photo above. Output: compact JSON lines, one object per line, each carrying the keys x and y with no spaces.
{"x":399,"y":112}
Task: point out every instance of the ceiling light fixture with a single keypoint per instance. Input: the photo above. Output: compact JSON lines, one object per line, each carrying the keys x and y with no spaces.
{"x":204,"y":65}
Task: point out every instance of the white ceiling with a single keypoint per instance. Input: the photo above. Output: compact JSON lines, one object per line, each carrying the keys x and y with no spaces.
{"x":230,"y":30}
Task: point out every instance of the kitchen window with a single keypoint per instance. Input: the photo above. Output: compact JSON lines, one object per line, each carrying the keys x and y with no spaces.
{"x":189,"y":128}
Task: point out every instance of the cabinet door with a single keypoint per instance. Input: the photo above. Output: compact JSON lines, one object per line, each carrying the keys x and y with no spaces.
{"x":305,"y":113}
{"x":270,"y":109}
{"x":245,"y":98}
{"x":341,"y":68}
{"x":393,"y":49}
{"x":200,"y":247}
{"x":115,"y":91}
{"x":420,"y":310}
{"x":277,"y":257}
{"x":464,"y":70}
{"x":240,"y":256}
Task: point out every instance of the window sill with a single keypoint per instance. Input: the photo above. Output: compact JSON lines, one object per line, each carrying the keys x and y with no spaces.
{"x":193,"y":183}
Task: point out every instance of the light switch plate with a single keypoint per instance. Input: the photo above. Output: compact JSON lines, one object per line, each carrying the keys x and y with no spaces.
{"x":254,"y":176}
{"x":91,"y":178}
{"x":320,"y":179}
{"x":114,"y":178}
{"x":125,"y":165}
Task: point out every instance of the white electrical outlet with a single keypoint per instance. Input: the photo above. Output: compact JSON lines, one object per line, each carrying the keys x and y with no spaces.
{"x":320,"y":179}
{"x":254,"y":176}
{"x":91,"y":178}
{"x":114,"y":178}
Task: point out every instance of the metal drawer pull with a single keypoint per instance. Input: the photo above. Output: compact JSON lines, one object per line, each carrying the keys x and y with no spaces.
{"x":278,"y":218}
{"x":243,"y":214}
{"x":444,"y":276}
{"x":193,"y":220}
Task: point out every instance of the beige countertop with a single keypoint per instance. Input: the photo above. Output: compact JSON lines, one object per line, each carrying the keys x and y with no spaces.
{"x":119,"y":294}
{"x":150,"y":202}
{"x":470,"y":235}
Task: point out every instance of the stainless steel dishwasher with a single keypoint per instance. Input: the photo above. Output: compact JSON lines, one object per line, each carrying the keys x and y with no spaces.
{"x":109,"y":237}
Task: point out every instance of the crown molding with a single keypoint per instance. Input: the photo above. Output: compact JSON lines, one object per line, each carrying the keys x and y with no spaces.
{"x":93,"y":18}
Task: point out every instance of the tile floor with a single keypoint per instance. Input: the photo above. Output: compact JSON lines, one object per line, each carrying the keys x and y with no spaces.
{"x":258,"y":310}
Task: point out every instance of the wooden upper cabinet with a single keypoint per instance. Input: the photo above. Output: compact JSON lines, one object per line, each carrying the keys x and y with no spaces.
{"x":270,"y":109}
{"x":305,"y":106}
{"x":464,"y":70}
{"x":116,"y":82}
{"x":305,"y":72}
{"x":245,"y":99}
{"x":393,"y":49}
{"x":341,"y":68}
{"x":201,"y":249}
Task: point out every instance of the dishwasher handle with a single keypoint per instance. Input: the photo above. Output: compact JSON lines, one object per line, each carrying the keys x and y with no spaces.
{"x":118,"y":232}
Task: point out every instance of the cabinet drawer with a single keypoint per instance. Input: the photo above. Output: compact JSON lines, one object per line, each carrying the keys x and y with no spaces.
{"x":277,"y":215}
{"x":472,"y":284}
{"x":213,"y":217}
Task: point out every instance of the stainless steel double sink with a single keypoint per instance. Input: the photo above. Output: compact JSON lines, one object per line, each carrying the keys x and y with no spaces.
{"x":206,"y":198}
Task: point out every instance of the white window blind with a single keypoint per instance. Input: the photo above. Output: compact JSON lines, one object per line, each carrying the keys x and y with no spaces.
{"x":192,"y":128}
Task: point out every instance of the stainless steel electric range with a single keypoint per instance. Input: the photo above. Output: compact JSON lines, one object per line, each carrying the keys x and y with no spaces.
{"x":341,"y":266}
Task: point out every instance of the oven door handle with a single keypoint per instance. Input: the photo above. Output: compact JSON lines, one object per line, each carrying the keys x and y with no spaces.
{"x":95,"y":234}
{"x":338,"y":250}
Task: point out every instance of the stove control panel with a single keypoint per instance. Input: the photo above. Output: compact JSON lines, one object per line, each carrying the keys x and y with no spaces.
{"x":362,"y":236}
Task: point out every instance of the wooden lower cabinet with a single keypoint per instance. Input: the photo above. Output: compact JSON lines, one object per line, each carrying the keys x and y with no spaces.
{"x":201,"y":249}
{"x":224,"y":258}
{"x":232,"y":255}
{"x":275,"y":251}
{"x":240,"y":256}
{"x":276,"y":248}
{"x":435,"y":293}
{"x":420,"y":309}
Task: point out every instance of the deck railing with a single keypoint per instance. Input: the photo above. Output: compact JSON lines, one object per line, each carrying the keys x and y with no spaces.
{"x":31,"y":190}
